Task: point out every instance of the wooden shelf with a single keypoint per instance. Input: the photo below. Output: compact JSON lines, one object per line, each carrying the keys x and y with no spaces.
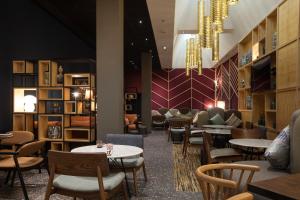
{"x":79,"y":135}
{"x":23,"y":67}
{"x":271,"y":111}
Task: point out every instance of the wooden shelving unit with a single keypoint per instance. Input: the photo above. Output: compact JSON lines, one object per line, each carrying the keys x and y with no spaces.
{"x":65,"y":108}
{"x":275,"y":37}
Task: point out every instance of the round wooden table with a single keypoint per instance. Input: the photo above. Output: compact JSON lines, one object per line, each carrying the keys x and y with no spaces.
{"x":218,"y":131}
{"x":211,"y":126}
{"x":253,"y":143}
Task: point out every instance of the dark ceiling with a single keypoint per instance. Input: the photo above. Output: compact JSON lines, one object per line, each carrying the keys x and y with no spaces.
{"x":80,"y":17}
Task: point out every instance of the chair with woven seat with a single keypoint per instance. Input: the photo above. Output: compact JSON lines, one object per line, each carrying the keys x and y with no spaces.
{"x":83,"y":175}
{"x":242,"y":196}
{"x":131,"y":164}
{"x":215,"y":155}
{"x":24,"y":158}
{"x":218,"y":182}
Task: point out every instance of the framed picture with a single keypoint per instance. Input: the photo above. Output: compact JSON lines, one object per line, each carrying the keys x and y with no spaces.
{"x":130,"y":96}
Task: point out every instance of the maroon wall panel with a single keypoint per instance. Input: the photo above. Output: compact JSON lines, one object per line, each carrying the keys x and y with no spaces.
{"x":173,"y":89}
{"x":227,"y":78}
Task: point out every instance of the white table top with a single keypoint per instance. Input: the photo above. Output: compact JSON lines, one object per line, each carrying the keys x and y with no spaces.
{"x":217,"y":126}
{"x":119,"y":151}
{"x":255,"y":143}
{"x":219,"y":131}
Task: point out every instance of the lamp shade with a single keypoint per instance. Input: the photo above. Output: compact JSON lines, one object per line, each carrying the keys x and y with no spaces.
{"x":29,"y":103}
{"x":221,"y":104}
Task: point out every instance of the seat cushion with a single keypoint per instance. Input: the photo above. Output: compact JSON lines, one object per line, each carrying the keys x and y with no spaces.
{"x":196,"y":140}
{"x":24,"y":162}
{"x":87,"y":184}
{"x":217,"y":120}
{"x":129,"y":162}
{"x":224,"y":152}
{"x":177,"y":129}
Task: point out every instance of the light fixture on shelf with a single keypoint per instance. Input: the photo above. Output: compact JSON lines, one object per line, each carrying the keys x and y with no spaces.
{"x":29,"y":103}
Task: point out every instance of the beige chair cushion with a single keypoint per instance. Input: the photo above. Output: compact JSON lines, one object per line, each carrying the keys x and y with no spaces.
{"x":223,"y":152}
{"x":196,"y":140}
{"x":24,"y":162}
{"x":132,"y":162}
{"x":202,"y":118}
{"x":87,"y":184}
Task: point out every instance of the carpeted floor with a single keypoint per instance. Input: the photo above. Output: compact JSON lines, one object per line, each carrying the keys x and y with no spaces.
{"x":184,"y":168}
{"x":158,"y":153}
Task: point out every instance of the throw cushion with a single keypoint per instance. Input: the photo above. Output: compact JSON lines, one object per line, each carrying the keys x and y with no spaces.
{"x":195,"y":118}
{"x":173,"y":111}
{"x":155,"y":113}
{"x":233,"y":121}
{"x":168,"y":115}
{"x":217,"y":120}
{"x":278,"y":152}
{"x":202,"y":118}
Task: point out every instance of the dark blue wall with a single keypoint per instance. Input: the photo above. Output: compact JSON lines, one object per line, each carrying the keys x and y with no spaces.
{"x":29,"y":32}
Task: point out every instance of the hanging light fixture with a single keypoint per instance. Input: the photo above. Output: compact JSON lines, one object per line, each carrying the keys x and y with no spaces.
{"x":187,"y":58}
{"x":232,"y":2}
{"x":215,"y":46}
{"x":225,"y":9}
{"x":201,"y":22}
{"x":207,"y":32}
{"x":216,"y":15}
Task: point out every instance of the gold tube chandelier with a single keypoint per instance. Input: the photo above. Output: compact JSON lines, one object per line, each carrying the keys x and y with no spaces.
{"x":208,"y":35}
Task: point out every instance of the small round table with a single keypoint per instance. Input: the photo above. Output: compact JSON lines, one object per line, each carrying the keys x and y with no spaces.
{"x":251,"y":143}
{"x":218,"y":131}
{"x":211,"y":126}
{"x":118,"y":152}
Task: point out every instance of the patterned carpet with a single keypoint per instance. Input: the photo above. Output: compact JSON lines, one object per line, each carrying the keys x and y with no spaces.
{"x":159,"y":165}
{"x":184,"y":169}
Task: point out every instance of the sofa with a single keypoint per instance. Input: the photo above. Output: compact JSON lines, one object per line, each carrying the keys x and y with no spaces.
{"x":159,"y":118}
{"x":266,"y":171}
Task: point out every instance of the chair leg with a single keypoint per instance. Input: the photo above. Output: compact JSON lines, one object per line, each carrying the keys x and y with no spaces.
{"x":13,"y":178}
{"x":144,"y":171}
{"x":7,"y":177}
{"x":125,"y":191}
{"x":134,"y":181}
{"x":21,"y":178}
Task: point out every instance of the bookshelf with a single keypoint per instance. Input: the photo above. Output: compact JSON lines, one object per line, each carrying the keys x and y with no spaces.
{"x":274,"y":44}
{"x":64,"y":109}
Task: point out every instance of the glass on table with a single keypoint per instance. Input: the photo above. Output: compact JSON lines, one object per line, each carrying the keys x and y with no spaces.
{"x":109,"y":148}
{"x":99,"y":144}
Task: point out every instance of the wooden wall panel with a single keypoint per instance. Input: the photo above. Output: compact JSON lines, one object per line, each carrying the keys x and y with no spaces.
{"x":287,"y":66}
{"x":286,"y":105}
{"x":288,"y":24}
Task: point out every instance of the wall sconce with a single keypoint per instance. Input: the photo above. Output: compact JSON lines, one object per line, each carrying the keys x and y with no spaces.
{"x":221,"y":104}
{"x":29,"y":103}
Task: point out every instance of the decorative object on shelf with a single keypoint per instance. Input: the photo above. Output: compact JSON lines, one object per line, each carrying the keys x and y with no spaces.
{"x":130,"y":96}
{"x":60,"y":76}
{"x":56,"y":108}
{"x":274,"y":125}
{"x":249,"y":102}
{"x":242,"y":83}
{"x":30,"y":103}
{"x":274,"y":40}
{"x":273,"y":104}
{"x":54,"y":132}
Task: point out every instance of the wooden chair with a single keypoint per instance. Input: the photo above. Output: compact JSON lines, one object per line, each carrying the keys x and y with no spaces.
{"x":18,"y":139}
{"x":191,"y":137}
{"x":84,"y":175}
{"x":23,"y":159}
{"x":131,"y":164}
{"x":220,"y":181}
{"x":178,"y":124}
{"x":242,"y":196}
{"x":215,"y":155}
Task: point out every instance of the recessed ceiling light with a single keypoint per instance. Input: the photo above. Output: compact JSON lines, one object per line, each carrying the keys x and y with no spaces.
{"x":140,"y":21}
{"x":164,"y":48}
{"x":132,"y":43}
{"x":146,"y":39}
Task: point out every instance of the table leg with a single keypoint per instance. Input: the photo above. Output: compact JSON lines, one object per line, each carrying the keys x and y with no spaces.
{"x":127,"y":185}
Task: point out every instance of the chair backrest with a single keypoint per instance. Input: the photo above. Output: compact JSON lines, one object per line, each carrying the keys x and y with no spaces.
{"x":216,"y":184}
{"x":18,"y":138}
{"x":295,"y":142}
{"x":184,"y":110}
{"x":255,"y":133}
{"x":78,"y":164}
{"x":179,"y":123}
{"x":242,"y":196}
{"x":126,"y":139}
{"x":31,"y":148}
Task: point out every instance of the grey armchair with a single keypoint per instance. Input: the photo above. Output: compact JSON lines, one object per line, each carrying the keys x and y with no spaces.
{"x":130,"y":164}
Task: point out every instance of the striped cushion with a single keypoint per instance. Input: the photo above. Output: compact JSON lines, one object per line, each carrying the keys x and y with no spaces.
{"x":233,"y":121}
